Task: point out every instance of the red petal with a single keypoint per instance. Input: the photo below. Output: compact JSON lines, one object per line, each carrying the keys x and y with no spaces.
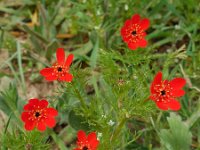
{"x":68,"y":77}
{"x":43,"y":103}
{"x":29,"y":125}
{"x":94,"y":144}
{"x":127,"y":23}
{"x":157,"y":81}
{"x":135,"y":18}
{"x":132,"y":46}
{"x":178,"y":93}
{"x":51,"y":78}
{"x":28,"y":107}
{"x":126,"y":38}
{"x":174,"y":105}
{"x":41,"y":126}
{"x":52,"y":112}
{"x":162,"y":106}
{"x":177,"y":83}
{"x":92,"y":136}
{"x":69,"y":60}
{"x":152,"y":97}
{"x":144,"y":23}
{"x":123,"y":31}
{"x":165,"y":82}
{"x":143,"y":34}
{"x":46,"y":72}
{"x":92,"y":139}
{"x":25,"y":116}
{"x":81,"y":135}
{"x":142,"y":43}
{"x":60,"y":54}
{"x":50,"y":122}
{"x":34,"y":101}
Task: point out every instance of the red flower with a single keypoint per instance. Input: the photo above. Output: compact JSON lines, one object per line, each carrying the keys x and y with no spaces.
{"x":36,"y":114}
{"x":60,"y":69}
{"x":164,"y":92}
{"x":133,"y":32}
{"x":84,"y":142}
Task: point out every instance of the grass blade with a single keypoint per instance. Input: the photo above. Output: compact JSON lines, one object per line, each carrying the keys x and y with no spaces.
{"x":19,"y":60}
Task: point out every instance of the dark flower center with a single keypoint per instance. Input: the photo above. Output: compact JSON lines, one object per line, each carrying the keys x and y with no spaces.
{"x":59,"y":69}
{"x":134,"y":32}
{"x":163,"y":92}
{"x":85,"y":148}
{"x":37,"y":114}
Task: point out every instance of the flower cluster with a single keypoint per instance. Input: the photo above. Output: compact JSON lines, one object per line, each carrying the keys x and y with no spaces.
{"x":163,"y":93}
{"x":37,"y":114}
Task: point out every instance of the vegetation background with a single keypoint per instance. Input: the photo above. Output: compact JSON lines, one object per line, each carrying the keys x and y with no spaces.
{"x":105,"y":71}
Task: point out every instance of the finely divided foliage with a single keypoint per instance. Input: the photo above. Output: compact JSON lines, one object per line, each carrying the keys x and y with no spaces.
{"x":162,"y":92}
{"x":115,"y":91}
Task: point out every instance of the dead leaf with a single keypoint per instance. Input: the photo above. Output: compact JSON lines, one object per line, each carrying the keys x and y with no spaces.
{"x":64,"y":36}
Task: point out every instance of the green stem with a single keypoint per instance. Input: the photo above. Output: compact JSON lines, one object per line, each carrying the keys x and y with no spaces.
{"x":147,"y":99}
{"x":21,"y":72}
{"x":1,"y":37}
{"x":118,"y":129}
{"x":58,"y":140}
{"x":82,"y":101}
